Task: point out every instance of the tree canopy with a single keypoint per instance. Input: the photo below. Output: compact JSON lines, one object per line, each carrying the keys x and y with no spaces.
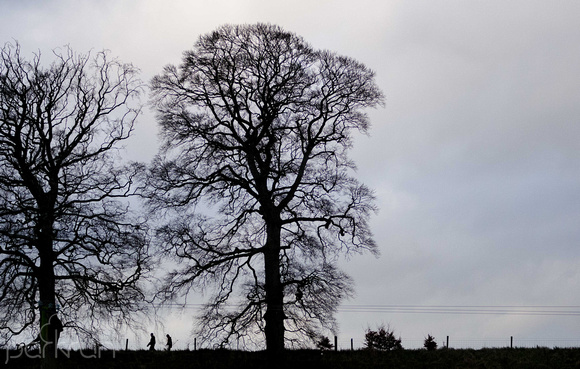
{"x":255,"y":182}
{"x":68,"y":243}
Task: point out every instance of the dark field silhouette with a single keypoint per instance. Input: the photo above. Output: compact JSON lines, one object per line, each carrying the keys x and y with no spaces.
{"x":302,"y":359}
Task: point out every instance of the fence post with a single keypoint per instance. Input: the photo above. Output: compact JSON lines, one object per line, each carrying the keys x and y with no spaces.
{"x":335,"y":343}
{"x":351,"y":345}
{"x":511,"y":341}
{"x":447,"y":341}
{"x":127,"y":344}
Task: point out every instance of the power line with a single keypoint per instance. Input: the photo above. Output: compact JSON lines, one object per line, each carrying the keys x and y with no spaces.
{"x":533,"y":310}
{"x":537,"y":310}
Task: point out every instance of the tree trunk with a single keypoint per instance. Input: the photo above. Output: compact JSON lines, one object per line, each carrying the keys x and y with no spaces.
{"x":47,"y":305}
{"x":274,"y":316}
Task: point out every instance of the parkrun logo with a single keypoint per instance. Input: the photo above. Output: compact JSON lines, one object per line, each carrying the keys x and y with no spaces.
{"x":34,"y":350}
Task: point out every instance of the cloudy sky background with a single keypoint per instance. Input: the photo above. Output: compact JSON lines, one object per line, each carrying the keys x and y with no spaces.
{"x":475,"y":158}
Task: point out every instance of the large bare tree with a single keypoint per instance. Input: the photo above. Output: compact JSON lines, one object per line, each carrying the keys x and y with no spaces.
{"x":67,"y":242}
{"x":254,"y":178}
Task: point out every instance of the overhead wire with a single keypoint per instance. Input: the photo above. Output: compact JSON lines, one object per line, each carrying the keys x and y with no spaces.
{"x":538,"y":310}
{"x":533,"y":310}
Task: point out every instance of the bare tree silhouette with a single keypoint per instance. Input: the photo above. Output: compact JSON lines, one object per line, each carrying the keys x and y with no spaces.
{"x":66,"y":236}
{"x":256,"y":127}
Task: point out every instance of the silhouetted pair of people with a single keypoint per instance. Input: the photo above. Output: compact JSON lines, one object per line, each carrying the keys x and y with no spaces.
{"x":152,"y":342}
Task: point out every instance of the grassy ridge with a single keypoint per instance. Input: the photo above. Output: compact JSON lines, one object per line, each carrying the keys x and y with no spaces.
{"x":303,"y":359}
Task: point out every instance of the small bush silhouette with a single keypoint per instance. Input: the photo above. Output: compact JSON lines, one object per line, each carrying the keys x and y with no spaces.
{"x":430,"y":343}
{"x":324,"y":344}
{"x":382,"y":339}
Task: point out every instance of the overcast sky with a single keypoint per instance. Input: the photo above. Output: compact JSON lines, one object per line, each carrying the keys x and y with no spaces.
{"x":475,"y":158}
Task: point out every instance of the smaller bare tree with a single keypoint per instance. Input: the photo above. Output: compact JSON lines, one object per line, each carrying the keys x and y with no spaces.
{"x":68,"y":242}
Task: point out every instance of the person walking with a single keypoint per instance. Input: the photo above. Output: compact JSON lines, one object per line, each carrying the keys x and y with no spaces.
{"x":151,"y":343}
{"x":169,"y":342}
